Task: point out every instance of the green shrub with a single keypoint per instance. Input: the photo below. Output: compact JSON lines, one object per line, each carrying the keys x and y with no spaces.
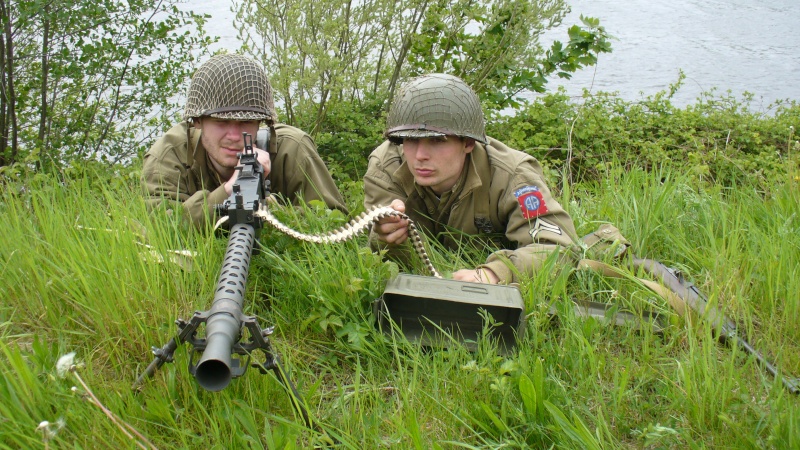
{"x":717,"y":139}
{"x":350,"y":132}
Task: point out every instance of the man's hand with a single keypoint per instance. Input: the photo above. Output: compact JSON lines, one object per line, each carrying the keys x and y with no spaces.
{"x":479,"y":275}
{"x":393,"y":229}
{"x":262,"y":157}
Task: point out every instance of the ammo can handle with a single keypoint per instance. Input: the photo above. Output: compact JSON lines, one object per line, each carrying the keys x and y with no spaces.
{"x":475,"y":289}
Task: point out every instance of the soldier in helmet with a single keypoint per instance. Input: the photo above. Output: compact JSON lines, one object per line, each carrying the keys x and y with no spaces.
{"x":194,"y":162}
{"x":456,"y":184}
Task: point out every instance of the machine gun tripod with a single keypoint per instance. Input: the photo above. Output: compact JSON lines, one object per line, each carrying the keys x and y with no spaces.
{"x":215,"y":375}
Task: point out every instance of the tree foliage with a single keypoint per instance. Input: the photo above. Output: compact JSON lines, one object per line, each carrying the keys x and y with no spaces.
{"x":328,"y":57}
{"x":88,"y":79}
{"x":502,"y":57}
{"x":324,"y":51}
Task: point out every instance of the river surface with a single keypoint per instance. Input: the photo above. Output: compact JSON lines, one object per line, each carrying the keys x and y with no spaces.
{"x":736,"y":45}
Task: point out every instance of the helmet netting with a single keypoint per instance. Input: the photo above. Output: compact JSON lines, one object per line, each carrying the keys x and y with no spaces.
{"x":230,"y":87}
{"x":436,"y":105}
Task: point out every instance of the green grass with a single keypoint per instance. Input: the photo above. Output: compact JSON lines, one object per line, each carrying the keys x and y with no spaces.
{"x":75,"y":277}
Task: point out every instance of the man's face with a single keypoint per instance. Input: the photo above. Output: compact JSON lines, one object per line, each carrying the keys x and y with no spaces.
{"x":437,"y":161}
{"x":223,"y":141}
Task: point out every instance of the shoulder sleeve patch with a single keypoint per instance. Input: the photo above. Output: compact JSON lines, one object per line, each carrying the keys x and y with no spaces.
{"x":530,"y":201}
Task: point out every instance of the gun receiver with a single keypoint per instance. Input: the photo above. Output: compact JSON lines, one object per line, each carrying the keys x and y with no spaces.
{"x":249,"y":191}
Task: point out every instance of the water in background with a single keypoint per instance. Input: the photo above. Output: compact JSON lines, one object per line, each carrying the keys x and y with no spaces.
{"x":736,"y":45}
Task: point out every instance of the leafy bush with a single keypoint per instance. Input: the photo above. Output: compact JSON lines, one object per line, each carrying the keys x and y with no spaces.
{"x":350,"y":132}
{"x":718,"y":139}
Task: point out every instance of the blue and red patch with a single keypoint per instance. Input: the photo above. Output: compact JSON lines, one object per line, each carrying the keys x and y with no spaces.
{"x":531,"y":201}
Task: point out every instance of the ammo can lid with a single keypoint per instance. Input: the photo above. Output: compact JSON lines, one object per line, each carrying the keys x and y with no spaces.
{"x":407,"y":285}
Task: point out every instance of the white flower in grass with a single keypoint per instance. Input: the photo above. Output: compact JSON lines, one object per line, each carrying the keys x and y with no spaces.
{"x":64,"y":364}
{"x":49,"y":430}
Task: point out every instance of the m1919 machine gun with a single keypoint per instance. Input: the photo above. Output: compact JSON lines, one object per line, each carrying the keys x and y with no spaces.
{"x":225,"y":320}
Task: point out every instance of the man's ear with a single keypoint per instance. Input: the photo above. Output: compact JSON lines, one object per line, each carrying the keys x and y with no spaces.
{"x":469,"y":145}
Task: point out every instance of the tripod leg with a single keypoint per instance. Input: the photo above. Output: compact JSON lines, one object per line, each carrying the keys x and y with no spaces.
{"x":297,"y":401}
{"x":163,"y":354}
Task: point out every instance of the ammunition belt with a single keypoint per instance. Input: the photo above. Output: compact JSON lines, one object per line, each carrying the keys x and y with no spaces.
{"x":352,"y":229}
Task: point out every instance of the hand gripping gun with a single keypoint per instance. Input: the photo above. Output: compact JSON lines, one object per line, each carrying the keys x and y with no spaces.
{"x":225,"y":321}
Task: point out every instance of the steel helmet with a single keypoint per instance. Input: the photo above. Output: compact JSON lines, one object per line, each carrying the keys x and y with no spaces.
{"x":231,"y":87}
{"x":436,"y":105}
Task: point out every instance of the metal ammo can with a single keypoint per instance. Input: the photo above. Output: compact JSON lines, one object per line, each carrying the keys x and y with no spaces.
{"x":440,"y":312}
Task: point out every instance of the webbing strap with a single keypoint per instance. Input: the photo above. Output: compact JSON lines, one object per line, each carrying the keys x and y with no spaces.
{"x":678,"y":304}
{"x":192,"y":138}
{"x":484,"y":219}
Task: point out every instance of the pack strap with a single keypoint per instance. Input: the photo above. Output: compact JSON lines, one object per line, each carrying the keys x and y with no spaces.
{"x":485,"y":221}
{"x":607,"y":270}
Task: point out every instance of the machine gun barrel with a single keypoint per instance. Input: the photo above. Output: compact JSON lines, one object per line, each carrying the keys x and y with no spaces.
{"x":216,"y":366}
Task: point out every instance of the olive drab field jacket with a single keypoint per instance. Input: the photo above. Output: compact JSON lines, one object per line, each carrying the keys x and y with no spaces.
{"x":500,"y":197}
{"x":177,"y":168}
